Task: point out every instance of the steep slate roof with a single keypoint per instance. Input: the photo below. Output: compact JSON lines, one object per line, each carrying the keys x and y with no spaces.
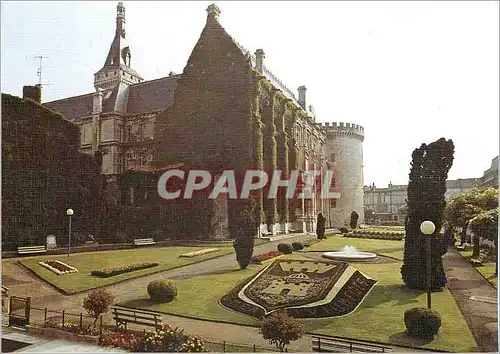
{"x":152,"y":95}
{"x":73,"y":107}
{"x":78,"y":107}
{"x":143,"y":97}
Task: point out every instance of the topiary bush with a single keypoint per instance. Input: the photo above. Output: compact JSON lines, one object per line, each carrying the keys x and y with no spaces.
{"x":422,"y":322}
{"x":344,"y":230}
{"x":285,"y":248}
{"x":162,"y":290}
{"x":297,"y":246}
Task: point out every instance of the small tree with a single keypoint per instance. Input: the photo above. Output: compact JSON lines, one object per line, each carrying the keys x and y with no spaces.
{"x":280,"y":329}
{"x":485,"y":225}
{"x":354,"y":220}
{"x":97,"y":302}
{"x":244,"y":239}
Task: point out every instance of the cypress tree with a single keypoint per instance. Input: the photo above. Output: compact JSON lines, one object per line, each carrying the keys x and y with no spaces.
{"x":426,"y":190}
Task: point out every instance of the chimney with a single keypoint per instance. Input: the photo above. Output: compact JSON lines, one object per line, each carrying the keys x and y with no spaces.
{"x":302,"y":96}
{"x":259,"y":60}
{"x":33,"y":93}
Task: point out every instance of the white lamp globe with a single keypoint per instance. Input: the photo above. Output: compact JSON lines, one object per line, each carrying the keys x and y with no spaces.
{"x":69,"y":212}
{"x":427,"y":227}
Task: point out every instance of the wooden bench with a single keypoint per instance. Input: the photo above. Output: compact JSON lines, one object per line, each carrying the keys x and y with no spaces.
{"x":123,"y":316}
{"x":144,"y":241}
{"x":31,"y":249}
{"x":337,"y":345}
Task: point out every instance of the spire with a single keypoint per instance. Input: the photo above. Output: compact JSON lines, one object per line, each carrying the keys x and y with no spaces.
{"x":117,"y":67}
{"x":120,"y":20}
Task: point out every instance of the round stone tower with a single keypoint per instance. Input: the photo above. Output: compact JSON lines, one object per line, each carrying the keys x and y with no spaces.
{"x":344,"y":156}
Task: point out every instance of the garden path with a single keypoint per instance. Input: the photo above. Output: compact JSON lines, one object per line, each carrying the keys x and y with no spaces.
{"x":465,"y":284}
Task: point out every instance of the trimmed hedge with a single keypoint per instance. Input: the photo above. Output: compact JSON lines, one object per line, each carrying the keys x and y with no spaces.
{"x":297,"y":246}
{"x":344,"y":230}
{"x":285,"y":248}
{"x":422,"y":322}
{"x":109,"y":272}
{"x":311,"y":242}
{"x":162,"y":290}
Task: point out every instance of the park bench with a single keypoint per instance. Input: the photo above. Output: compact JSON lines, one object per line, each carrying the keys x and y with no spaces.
{"x":123,"y":316}
{"x":144,"y":241}
{"x":31,"y":249}
{"x":483,"y":254}
{"x":337,"y":345}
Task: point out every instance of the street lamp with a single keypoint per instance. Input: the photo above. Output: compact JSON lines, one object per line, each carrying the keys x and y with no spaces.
{"x":70,"y":213}
{"x":427,"y":227}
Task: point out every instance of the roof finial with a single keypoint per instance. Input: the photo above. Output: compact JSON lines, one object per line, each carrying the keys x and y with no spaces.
{"x":120,"y":10}
{"x":213,"y":11}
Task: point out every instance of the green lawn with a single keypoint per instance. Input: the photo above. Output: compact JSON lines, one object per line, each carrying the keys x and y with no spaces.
{"x":389,"y":248}
{"x":167,"y":257}
{"x":379,"y":317}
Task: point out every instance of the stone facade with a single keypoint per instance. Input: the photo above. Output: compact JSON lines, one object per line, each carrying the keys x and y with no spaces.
{"x":490,"y":176}
{"x":226,"y":110}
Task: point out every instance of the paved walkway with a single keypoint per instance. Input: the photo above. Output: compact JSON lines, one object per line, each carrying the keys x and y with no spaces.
{"x":467,"y":286}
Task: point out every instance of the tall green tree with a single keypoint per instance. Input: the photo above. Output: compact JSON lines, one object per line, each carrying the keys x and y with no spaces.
{"x":426,"y":189}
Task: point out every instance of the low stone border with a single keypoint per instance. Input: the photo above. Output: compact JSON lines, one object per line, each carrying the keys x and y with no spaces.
{"x":57,"y":271}
{"x":199,"y":253}
{"x":58,"y":334}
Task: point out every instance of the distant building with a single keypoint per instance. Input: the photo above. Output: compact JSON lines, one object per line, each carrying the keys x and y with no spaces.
{"x":389,"y":204}
{"x":490,"y":176}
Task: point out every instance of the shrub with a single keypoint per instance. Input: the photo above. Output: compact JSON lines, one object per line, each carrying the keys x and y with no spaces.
{"x":97,"y":302}
{"x":285,"y":248}
{"x":422,"y":322}
{"x":354,"y":220}
{"x":162,"y":290}
{"x":344,"y":230}
{"x":297,"y":246}
{"x":280,"y":329}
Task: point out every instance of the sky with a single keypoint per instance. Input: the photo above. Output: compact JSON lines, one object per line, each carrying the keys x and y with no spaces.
{"x":408,"y":72}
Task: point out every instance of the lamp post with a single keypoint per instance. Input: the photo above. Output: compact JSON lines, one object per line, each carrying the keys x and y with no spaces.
{"x":427,"y":227}
{"x":70,"y":213}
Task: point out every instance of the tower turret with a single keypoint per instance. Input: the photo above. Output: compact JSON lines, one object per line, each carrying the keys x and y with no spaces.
{"x":117,"y":67}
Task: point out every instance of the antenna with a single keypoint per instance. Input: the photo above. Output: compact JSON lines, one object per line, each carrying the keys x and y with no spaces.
{"x":39,"y":72}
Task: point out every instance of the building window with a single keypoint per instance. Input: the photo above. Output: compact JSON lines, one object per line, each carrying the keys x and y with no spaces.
{"x":333,"y":157}
{"x":333,"y":203}
{"x":141,"y":131}
{"x":129,"y":133}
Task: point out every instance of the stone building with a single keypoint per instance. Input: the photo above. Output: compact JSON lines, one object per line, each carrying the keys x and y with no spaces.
{"x":490,"y":176}
{"x":226,"y":110}
{"x":389,"y":204}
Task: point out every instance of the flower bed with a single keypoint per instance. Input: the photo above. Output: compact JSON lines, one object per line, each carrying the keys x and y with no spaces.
{"x":259,"y":258}
{"x":109,"y":272}
{"x":58,"y":267}
{"x":164,"y":339}
{"x":394,"y":236}
{"x":70,"y":332}
{"x":199,"y":253}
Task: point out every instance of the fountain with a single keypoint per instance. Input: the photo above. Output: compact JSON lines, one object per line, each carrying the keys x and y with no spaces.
{"x":349,"y":253}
